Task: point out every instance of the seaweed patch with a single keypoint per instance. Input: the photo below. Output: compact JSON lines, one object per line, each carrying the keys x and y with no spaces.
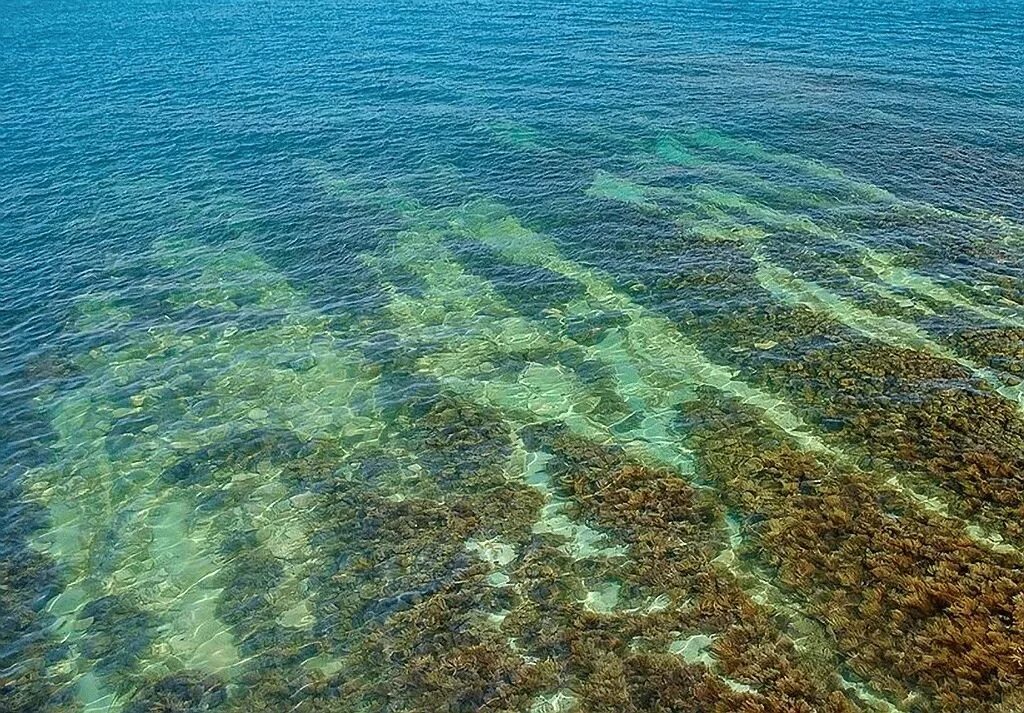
{"x":914,"y":606}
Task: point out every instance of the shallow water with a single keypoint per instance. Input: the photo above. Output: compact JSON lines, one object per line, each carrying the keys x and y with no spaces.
{"x":613,"y":357}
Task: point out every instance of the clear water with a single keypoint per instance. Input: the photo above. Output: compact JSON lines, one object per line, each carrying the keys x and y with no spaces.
{"x":511,"y":356}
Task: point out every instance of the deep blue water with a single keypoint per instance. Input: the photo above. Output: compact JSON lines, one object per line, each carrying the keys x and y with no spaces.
{"x":285,"y":136}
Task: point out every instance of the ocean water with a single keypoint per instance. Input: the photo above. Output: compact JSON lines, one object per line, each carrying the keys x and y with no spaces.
{"x":523,"y":356}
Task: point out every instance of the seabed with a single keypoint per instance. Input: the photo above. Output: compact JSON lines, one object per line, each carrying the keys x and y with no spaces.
{"x":456,"y":500}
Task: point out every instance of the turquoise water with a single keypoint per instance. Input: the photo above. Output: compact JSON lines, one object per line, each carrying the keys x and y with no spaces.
{"x":511,"y":357}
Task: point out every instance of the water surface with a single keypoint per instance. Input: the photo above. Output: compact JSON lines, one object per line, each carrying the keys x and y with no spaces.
{"x":511,"y":356}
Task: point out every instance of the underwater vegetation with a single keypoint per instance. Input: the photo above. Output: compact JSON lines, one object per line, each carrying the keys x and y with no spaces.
{"x":913,"y":605}
{"x":29,"y":657}
{"x":690,"y":612}
{"x":926,"y":419}
{"x":797,"y":240}
{"x":166,"y":451}
{"x":770,"y":467}
{"x":185,"y":691}
{"x":488,"y":388}
{"x":918,"y":374}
